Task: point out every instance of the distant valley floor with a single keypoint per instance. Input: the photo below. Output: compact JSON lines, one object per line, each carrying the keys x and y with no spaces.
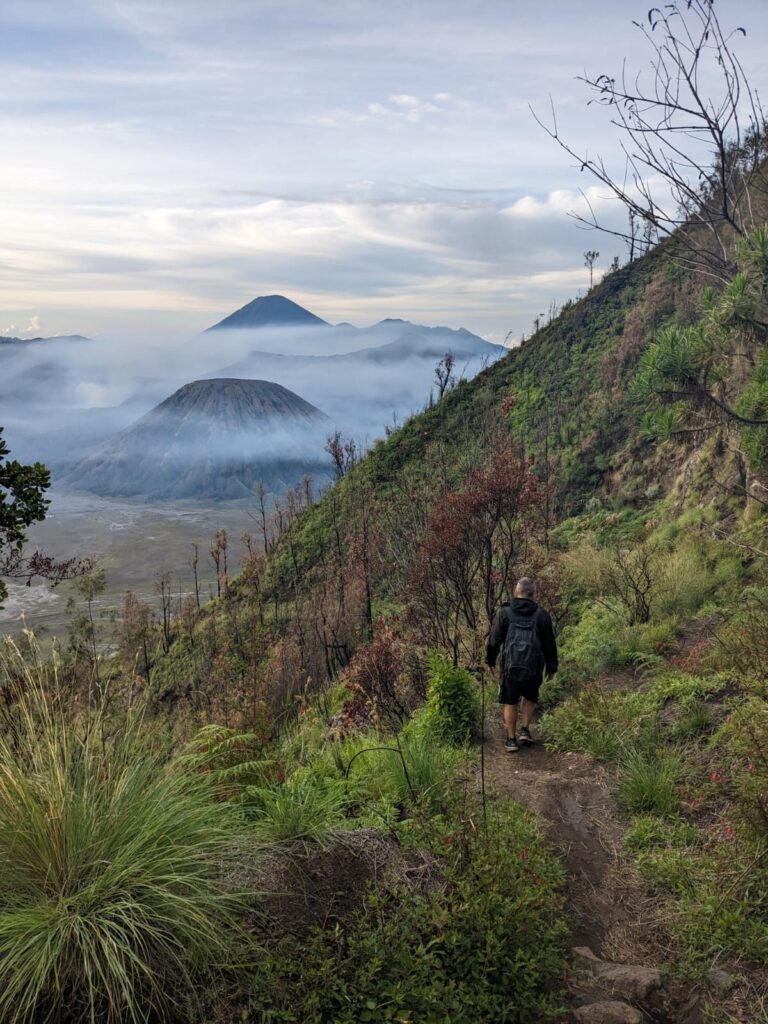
{"x":134,"y":541}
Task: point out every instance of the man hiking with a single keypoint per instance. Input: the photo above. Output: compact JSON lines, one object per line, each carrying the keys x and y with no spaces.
{"x":523,"y":632}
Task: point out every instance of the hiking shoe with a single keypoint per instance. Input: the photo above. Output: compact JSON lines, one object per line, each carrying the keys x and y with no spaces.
{"x":525,"y":736}
{"x":510,"y":744}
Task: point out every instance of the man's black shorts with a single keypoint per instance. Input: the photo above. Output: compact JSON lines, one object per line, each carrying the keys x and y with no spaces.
{"x":511,"y":690}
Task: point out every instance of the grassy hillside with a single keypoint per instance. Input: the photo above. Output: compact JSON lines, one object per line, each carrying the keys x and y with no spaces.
{"x":648,"y":550}
{"x":332,"y":700}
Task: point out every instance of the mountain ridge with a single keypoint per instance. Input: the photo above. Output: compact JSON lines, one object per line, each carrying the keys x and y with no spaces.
{"x":11,"y":340}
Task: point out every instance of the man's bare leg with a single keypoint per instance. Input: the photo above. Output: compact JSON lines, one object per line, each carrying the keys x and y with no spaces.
{"x":510,"y":719}
{"x":526,"y":717}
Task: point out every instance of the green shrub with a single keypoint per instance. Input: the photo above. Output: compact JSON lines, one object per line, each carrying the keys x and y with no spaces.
{"x":604,"y":725}
{"x":486,"y":945}
{"x":696,"y":570}
{"x":683,"y":687}
{"x":583,"y":724}
{"x":554,"y":689}
{"x":110,"y":899}
{"x":668,"y":869}
{"x":453,"y":704}
{"x":741,"y":745}
{"x":589,"y":646}
{"x":649,"y":778}
{"x":742,"y":640}
{"x":752,"y":403}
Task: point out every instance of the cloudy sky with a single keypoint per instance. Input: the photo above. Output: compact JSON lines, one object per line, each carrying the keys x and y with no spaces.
{"x":165,"y":161}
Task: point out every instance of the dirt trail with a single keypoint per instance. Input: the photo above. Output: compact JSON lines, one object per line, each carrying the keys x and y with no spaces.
{"x":611,"y":910}
{"x":612,"y":913}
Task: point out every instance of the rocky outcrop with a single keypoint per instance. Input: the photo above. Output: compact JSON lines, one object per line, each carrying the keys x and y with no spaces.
{"x":606,"y":992}
{"x":625,"y":981}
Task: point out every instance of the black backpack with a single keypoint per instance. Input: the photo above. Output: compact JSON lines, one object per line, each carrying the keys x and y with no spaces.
{"x":523,"y":656}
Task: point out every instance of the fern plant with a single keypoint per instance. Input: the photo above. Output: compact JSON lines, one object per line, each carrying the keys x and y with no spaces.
{"x":233,"y":759}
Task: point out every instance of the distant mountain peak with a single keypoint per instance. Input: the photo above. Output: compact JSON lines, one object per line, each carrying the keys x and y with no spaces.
{"x":270,"y":311}
{"x":210,"y":439}
{"x":236,"y":404}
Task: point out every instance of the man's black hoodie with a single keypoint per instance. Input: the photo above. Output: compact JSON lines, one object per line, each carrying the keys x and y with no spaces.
{"x":524,"y":607}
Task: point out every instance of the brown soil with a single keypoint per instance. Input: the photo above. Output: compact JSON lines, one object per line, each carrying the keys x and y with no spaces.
{"x":304,"y":885}
{"x":612,"y":912}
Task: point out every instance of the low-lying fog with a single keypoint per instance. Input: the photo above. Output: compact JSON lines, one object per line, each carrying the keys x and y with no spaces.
{"x":60,"y":398}
{"x":73,"y":403}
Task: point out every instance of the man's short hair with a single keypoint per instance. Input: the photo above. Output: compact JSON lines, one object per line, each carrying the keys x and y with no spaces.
{"x":525,"y":587}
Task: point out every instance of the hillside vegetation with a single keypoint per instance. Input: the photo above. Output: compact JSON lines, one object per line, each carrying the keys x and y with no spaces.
{"x":331,"y":700}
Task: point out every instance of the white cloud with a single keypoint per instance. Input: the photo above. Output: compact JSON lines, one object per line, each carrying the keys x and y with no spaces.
{"x":228,"y":150}
{"x":403,"y":100}
{"x":33,"y":329}
{"x":473,"y":264}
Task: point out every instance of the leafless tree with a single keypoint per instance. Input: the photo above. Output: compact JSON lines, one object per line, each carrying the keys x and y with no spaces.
{"x":194,"y":560}
{"x":633,"y":577}
{"x":444,"y":375}
{"x":309,"y":490}
{"x":631,"y":238}
{"x":344,"y":454}
{"x":706,"y":149}
{"x":84,"y":636}
{"x":134,"y":636}
{"x":16,"y":565}
{"x":589,"y":262}
{"x":164,"y":589}
{"x":219,"y":546}
{"x":261,"y":492}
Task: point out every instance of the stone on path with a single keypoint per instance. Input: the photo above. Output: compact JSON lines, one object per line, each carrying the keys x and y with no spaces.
{"x":627,"y":981}
{"x":607,"y":1013}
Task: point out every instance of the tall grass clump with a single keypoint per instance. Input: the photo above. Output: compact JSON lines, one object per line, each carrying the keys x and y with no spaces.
{"x":307,"y":807}
{"x":649,"y":779}
{"x":426,"y":771}
{"x":110,"y":902}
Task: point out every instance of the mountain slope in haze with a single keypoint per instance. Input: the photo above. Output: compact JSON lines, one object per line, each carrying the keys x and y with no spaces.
{"x":432,"y":343}
{"x":563,"y":395}
{"x":7,"y":340}
{"x":210,"y":440}
{"x":62,"y":397}
{"x":387,"y":341}
{"x":388,"y":374}
{"x":269,"y":311}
